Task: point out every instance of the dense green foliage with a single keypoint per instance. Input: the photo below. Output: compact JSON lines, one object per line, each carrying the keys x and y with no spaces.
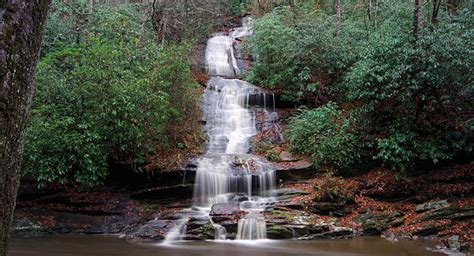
{"x":320,"y":133}
{"x":238,"y":7}
{"x":111,"y":95}
{"x":408,"y":101}
{"x":298,"y":53}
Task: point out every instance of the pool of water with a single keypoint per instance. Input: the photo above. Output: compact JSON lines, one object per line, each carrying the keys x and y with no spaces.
{"x":102,"y":245}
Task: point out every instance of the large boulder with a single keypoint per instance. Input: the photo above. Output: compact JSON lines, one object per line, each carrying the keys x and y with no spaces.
{"x":151,"y":230}
{"x":279,"y":232}
{"x":299,"y":231}
{"x":225,"y":213}
{"x":203,"y":232}
{"x":223,"y":209}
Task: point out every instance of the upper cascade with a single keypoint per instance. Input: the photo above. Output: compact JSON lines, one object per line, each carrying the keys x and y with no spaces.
{"x":220,"y":57}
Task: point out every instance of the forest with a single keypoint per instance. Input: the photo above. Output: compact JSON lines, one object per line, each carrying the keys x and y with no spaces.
{"x":297,"y":121}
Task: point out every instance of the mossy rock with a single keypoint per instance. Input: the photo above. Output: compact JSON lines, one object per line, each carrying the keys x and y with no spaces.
{"x":397,"y":222}
{"x":204,"y":232}
{"x":452,"y":213}
{"x":318,"y":229}
{"x":279,"y":232}
{"x":337,"y":233}
{"x":374,"y":228}
{"x":375,"y":224}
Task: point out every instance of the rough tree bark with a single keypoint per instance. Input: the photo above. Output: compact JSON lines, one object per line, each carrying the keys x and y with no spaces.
{"x":417,"y":19}
{"x":369,"y":9}
{"x":21,"y":28}
{"x":435,"y":11}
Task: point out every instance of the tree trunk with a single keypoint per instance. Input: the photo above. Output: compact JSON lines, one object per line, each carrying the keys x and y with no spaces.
{"x":417,"y":19}
{"x":435,"y":12}
{"x":369,"y":9}
{"x":21,"y":27}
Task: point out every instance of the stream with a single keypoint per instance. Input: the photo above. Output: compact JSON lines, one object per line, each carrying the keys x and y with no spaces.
{"x":102,"y":245}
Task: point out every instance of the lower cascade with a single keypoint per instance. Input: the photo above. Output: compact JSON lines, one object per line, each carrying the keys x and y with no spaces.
{"x":252,"y":227}
{"x":219,"y":232}
{"x":178,"y":231}
{"x":226,"y":173}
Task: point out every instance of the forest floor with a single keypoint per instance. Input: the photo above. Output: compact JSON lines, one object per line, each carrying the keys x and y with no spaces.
{"x":437,"y":205}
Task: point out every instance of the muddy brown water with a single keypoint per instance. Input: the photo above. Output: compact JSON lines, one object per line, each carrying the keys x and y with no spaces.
{"x":101,"y":245}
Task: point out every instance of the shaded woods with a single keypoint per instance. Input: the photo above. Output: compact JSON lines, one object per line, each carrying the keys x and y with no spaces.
{"x":401,"y":75}
{"x":109,"y":93}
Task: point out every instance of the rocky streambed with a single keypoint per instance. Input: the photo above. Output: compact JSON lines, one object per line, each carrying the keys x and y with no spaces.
{"x":303,"y":210}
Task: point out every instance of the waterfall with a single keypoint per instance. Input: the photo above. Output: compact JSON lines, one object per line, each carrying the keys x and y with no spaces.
{"x":226,"y":173}
{"x":252,"y":227}
{"x":219,"y":232}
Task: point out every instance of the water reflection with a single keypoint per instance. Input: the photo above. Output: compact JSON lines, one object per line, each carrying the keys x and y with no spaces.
{"x":78,"y":245}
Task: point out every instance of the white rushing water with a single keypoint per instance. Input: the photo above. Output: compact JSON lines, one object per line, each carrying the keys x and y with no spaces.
{"x":177,"y":232}
{"x":251,"y":227}
{"x":226,"y":173}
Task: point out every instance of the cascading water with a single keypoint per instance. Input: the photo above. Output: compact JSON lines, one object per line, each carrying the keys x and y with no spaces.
{"x":226,"y":173}
{"x":178,"y":231}
{"x":251,"y":227}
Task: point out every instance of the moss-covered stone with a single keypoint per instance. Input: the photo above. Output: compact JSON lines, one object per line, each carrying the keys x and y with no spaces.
{"x":204,"y":232}
{"x":337,"y":232}
{"x":279,"y":232}
{"x":452,"y":213}
{"x":375,"y":224}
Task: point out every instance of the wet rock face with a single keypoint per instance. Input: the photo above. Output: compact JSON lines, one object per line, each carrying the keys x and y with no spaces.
{"x":199,"y":231}
{"x":151,"y":230}
{"x":223,"y":209}
{"x":227,"y":216}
